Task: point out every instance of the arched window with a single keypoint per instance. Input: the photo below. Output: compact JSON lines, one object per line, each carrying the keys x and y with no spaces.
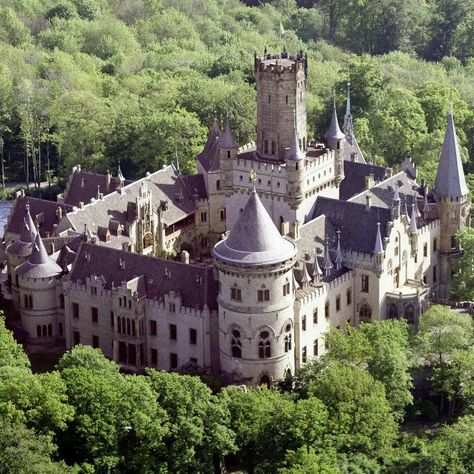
{"x":264,"y":346}
{"x":409,"y":313}
{"x":218,"y":184}
{"x":38,"y":331}
{"x":45,"y":330}
{"x":236,"y":344}
{"x":365,"y":313}
{"x":393,"y":311}
{"x":288,"y":338}
{"x":265,"y":380}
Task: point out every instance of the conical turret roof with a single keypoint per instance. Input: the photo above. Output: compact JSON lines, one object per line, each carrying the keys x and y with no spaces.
{"x":24,"y":246}
{"x":254,"y":239}
{"x":39,"y":265}
{"x":227,"y":139}
{"x":378,"y":248}
{"x":334,"y":132}
{"x":294,"y":152}
{"x":450,"y":180}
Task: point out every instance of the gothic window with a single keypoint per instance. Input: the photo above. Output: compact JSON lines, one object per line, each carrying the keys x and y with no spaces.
{"x":45,"y":330}
{"x":263,"y":295}
{"x":50,"y":330}
{"x":147,"y":240}
{"x":365,"y":313}
{"x":286,"y":288}
{"x":288,"y":343}
{"x":266,"y":146}
{"x":235,"y":294}
{"x":349,"y":297}
{"x":393,"y":311}
{"x":365,"y":283}
{"x":435,"y":244}
{"x":38,"y":331}
{"x":264,"y":346}
{"x":409,"y":313}
{"x":236,"y":344}
{"x":218,"y":184}
{"x":273,"y":147}
{"x":265,"y":380}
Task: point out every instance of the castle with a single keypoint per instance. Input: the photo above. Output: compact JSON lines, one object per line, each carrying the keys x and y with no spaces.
{"x":278,"y":240}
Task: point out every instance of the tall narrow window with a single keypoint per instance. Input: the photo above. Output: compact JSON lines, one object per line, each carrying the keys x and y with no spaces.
{"x":315,"y":348}
{"x":75,"y":310}
{"x":235,"y":294}
{"x":235,"y":344}
{"x":95,"y":315}
{"x":173,"y":332}
{"x":264,"y":346}
{"x":263,"y":295}
{"x":303,"y":322}
{"x":192,"y":336}
{"x":365,"y":313}
{"x":304,"y":355}
{"x":365,"y":283}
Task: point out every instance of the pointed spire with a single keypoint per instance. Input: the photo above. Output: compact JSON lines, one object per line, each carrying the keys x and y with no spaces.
{"x":426,"y":206}
{"x":417,"y":211}
{"x":119,"y":174}
{"x":296,"y":285}
{"x":317,"y":272}
{"x":227,"y":139}
{"x":407,"y":214}
{"x":339,"y":258}
{"x":334,"y":131}
{"x":328,"y":266}
{"x":348,"y":125}
{"x":39,"y":254}
{"x":29,"y":229}
{"x":294,"y":152}
{"x":413,"y":224}
{"x":378,"y":248}
{"x":450,"y":180}
{"x":176,"y":160}
{"x":306,"y":279}
{"x":396,"y":194}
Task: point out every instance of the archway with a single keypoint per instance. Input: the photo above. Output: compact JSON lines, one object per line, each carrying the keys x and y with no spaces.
{"x":265,"y":380}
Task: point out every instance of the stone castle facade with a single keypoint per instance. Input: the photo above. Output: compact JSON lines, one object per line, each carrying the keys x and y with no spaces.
{"x":278,"y":240}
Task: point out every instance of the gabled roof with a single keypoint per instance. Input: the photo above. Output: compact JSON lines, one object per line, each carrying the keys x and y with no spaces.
{"x":450,"y":180}
{"x":254,"y":239}
{"x":43,"y":213}
{"x":354,"y":177}
{"x":347,"y":216}
{"x":157,"y":276}
{"x":84,"y":186}
{"x":24,"y":245}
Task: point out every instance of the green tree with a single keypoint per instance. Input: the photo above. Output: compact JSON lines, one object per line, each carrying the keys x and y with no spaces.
{"x":117,"y":422}
{"x":11,"y":353}
{"x":199,"y":423}
{"x":441,"y":334}
{"x":359,"y":414}
{"x":462,"y":286}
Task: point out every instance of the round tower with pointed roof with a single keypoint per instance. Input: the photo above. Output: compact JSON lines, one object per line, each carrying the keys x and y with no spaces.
{"x":37,"y":279}
{"x":18,"y":252}
{"x":256,"y":298}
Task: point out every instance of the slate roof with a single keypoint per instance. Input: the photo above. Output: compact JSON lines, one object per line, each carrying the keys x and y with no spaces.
{"x":196,"y":284}
{"x":24,"y":245}
{"x":227,"y":139}
{"x":358,"y":224}
{"x":209,"y":156}
{"x":352,"y":151}
{"x":254,"y":239}
{"x":195,"y":185}
{"x":299,"y":271}
{"x":83,"y":187}
{"x":382,"y":193}
{"x":39,"y":265}
{"x":354,"y":177}
{"x":169,"y":192}
{"x":450,"y":180}
{"x":43,"y":212}
{"x":334,"y":132}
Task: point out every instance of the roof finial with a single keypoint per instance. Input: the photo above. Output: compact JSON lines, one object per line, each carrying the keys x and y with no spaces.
{"x":328,"y":266}
{"x":253,"y":178}
{"x":348,"y":125}
{"x":378,"y":248}
{"x":306,"y":279}
{"x":317,"y":272}
{"x":339,"y":258}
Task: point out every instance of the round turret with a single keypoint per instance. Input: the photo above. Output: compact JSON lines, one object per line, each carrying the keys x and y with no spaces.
{"x":37,"y":295}
{"x":256,"y":299}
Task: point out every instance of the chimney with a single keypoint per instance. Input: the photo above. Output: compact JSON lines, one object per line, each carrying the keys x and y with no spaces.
{"x":185,"y":256}
{"x":369,"y":181}
{"x":368,"y":201}
{"x":108,"y":178}
{"x":81,"y":205}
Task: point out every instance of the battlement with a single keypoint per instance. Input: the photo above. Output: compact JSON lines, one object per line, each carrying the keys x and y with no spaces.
{"x":282,"y":63}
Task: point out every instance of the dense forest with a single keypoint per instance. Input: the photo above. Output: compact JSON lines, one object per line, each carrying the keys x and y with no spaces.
{"x":101,"y":81}
{"x":357,"y":409}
